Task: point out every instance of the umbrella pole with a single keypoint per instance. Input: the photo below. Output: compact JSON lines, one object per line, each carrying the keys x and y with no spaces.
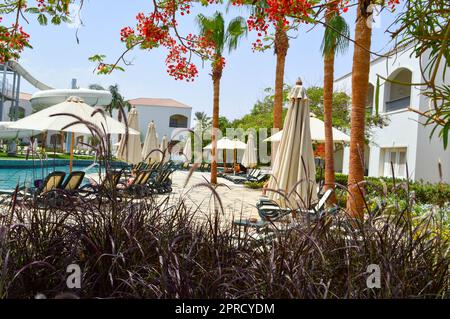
{"x":72,"y":142}
{"x":224,"y":155}
{"x":234,"y":161}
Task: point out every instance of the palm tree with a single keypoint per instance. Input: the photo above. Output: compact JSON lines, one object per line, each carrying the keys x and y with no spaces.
{"x":117,"y":103}
{"x":281,"y":44}
{"x":360,"y":87}
{"x":202,"y":119}
{"x":335,"y":40}
{"x":214,"y":29}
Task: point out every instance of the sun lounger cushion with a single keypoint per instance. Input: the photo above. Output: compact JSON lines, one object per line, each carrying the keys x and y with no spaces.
{"x":73,"y":181}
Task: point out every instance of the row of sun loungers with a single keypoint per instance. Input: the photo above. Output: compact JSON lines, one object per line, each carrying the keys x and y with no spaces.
{"x":84,"y":152}
{"x":48,"y":190}
{"x":273,"y":218}
{"x":22,"y":150}
{"x":253,"y":175}
{"x":55,"y":188}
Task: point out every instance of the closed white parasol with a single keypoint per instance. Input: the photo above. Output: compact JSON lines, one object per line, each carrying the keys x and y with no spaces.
{"x":294,"y":168}
{"x":130,"y":149}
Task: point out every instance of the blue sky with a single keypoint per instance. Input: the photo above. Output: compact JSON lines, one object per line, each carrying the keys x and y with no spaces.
{"x":56,"y":58}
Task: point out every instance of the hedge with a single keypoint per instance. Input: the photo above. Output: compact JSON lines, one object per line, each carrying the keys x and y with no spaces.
{"x":424,"y":193}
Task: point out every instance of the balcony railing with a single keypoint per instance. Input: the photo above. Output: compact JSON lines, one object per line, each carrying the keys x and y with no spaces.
{"x":398,"y":104}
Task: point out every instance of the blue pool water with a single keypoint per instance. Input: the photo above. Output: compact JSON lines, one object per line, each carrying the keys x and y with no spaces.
{"x":11,"y":176}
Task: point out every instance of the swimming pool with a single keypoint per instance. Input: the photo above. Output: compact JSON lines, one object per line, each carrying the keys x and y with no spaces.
{"x":11,"y":176}
{"x":24,"y":173}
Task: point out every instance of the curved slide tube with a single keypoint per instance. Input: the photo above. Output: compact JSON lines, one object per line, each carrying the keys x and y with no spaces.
{"x":27,"y":76}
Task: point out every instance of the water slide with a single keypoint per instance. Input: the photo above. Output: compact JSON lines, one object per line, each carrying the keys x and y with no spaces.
{"x":27,"y":76}
{"x":48,"y":96}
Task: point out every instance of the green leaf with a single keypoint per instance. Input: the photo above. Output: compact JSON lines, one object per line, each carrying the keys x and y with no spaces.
{"x":445,"y":138}
{"x":445,"y":130}
{"x":56,"y":20}
{"x":97,"y":58}
{"x":42,"y":19}
{"x":119,"y":68}
{"x":66,"y":19}
{"x":33,"y":10}
{"x":131,"y":40}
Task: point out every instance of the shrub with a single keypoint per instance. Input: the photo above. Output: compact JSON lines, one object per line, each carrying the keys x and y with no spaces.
{"x":423,"y":193}
{"x":254,"y":185}
{"x":162,"y":249}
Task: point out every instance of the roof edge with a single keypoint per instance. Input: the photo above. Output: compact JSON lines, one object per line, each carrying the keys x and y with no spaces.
{"x":179,"y":104}
{"x":397,"y":49}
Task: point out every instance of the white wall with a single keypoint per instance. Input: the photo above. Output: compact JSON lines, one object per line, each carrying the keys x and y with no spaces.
{"x":429,"y":153}
{"x":338,"y":159}
{"x":404,"y":129}
{"x":161,"y":116}
{"x":427,"y":166}
{"x":401,"y":132}
{"x":7,"y":106}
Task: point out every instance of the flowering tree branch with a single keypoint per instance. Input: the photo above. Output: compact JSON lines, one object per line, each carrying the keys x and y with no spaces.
{"x":159,"y":29}
{"x":13,"y":39}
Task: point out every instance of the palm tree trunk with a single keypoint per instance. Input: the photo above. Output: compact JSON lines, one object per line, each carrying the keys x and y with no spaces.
{"x":119,"y":118}
{"x":360,"y":84}
{"x":328,"y":120}
{"x":44,"y":141}
{"x":281,"y":48}
{"x":216,"y":76}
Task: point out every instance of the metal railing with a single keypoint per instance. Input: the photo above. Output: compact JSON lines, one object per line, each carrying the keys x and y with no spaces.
{"x":7,"y":91}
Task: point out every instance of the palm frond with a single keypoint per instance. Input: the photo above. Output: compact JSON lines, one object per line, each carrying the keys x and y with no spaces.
{"x":219,"y":34}
{"x":336,"y":36}
{"x":237,"y":28}
{"x":214,"y":28}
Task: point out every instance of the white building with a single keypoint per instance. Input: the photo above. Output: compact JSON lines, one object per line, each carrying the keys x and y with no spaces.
{"x":405,"y":141}
{"x":170,"y":116}
{"x":23,"y":108}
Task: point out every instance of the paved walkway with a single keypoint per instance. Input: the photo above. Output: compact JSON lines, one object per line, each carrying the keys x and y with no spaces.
{"x":236,"y":199}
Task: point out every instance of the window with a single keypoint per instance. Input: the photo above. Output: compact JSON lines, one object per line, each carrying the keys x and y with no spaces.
{"x":398,"y":95}
{"x":394,"y":160}
{"x":178,"y":121}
